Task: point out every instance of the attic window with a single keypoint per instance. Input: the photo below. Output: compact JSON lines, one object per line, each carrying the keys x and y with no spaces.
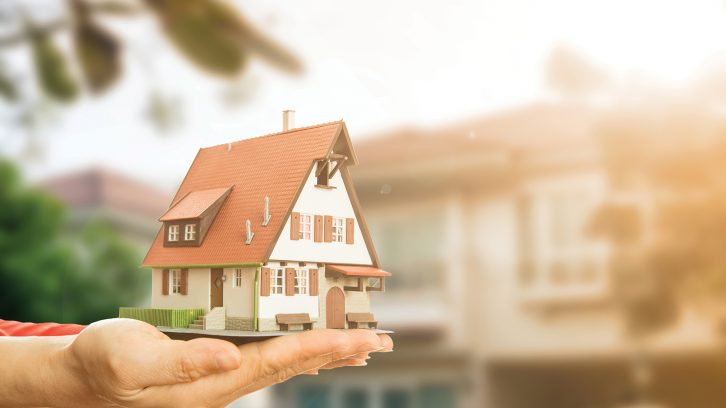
{"x":173,"y":233}
{"x":323,"y":172}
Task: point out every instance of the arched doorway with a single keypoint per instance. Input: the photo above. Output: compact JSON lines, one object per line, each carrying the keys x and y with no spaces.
{"x":335,"y":309}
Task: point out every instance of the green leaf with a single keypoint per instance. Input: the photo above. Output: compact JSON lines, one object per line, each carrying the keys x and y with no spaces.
{"x":51,"y":69}
{"x":98,"y":54}
{"x":7,"y":87}
{"x":196,"y":30}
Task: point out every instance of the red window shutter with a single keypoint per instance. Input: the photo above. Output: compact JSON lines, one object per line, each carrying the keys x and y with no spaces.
{"x":349,"y":230}
{"x":313,"y":281}
{"x":165,"y":282}
{"x":295,"y":226}
{"x":289,"y":281}
{"x":318,"y":228}
{"x":328,"y":234}
{"x":265,"y":282}
{"x":184,"y":281}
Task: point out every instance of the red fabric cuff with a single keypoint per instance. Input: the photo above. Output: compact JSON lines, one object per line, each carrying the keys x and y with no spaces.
{"x":10,"y":328}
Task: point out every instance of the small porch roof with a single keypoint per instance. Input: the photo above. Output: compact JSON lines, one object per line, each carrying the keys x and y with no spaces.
{"x":358,"y":271}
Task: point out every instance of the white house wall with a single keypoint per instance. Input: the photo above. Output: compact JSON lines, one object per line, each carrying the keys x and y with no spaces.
{"x":197,"y":291}
{"x":321,"y":201}
{"x":271,"y":305}
{"x":240,"y":301}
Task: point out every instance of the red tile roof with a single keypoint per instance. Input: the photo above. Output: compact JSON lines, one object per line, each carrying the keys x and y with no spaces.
{"x":274,"y":165}
{"x":363,"y":271}
{"x":194,"y":204}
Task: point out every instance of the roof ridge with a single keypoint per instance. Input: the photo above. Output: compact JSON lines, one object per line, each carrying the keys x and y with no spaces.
{"x":338,"y":122}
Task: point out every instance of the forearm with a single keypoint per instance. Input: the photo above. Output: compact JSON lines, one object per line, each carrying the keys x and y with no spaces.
{"x":33,"y":372}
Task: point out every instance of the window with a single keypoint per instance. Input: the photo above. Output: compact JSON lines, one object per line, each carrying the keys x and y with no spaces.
{"x":322,"y":170}
{"x":190,"y":232}
{"x":175,"y":281}
{"x":338,"y":229}
{"x":237,"y":279}
{"x":301,"y":281}
{"x":306,"y":226}
{"x":277,"y":281}
{"x":173,"y":232}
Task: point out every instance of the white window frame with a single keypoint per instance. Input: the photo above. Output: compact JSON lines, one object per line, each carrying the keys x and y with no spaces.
{"x":237,"y":278}
{"x":338,"y":229}
{"x":302,"y":279}
{"x":306,"y":227}
{"x":190,"y":232}
{"x":175,"y":281}
{"x":173,"y":233}
{"x":275,"y":288}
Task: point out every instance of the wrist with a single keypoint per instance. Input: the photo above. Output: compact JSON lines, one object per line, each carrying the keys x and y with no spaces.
{"x":31,"y":374}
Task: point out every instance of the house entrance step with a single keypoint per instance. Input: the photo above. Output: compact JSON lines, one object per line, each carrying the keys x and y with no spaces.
{"x":199,"y":321}
{"x":196,"y":326}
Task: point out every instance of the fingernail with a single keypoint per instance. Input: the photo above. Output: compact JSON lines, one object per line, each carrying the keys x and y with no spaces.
{"x":360,"y":364}
{"x":226,"y":360}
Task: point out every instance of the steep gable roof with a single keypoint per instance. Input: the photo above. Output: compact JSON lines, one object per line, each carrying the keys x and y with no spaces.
{"x":275,"y":166}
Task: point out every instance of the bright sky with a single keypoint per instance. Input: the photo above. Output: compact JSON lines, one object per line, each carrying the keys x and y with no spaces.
{"x":377,"y":64}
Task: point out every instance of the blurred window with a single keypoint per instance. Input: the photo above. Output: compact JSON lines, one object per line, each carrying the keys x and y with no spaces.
{"x":356,"y":398}
{"x":412,"y":245}
{"x":437,"y":396}
{"x":525,"y":238}
{"x":397,"y":398}
{"x":277,"y":281}
{"x":301,"y":281}
{"x":306,"y":226}
{"x":338,"y":229}
{"x":173,"y":233}
{"x":311,"y":396}
{"x":237,"y":281}
{"x":190,"y":232}
{"x":175,"y":280}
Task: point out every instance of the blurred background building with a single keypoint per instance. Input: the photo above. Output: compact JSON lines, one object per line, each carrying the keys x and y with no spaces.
{"x":546,"y":181}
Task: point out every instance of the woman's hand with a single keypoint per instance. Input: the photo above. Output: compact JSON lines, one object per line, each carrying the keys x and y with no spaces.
{"x":128,"y":363}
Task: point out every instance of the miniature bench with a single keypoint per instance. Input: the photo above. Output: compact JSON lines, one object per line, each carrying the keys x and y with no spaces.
{"x":285,"y":320}
{"x":354,"y":319}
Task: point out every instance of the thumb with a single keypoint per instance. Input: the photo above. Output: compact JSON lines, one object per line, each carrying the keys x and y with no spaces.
{"x":177,"y":361}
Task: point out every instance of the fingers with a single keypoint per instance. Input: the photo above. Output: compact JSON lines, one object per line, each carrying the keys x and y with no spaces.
{"x":177,"y":362}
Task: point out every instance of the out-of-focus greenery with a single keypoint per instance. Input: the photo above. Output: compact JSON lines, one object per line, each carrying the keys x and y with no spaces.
{"x":47,"y":274}
{"x":211,"y":34}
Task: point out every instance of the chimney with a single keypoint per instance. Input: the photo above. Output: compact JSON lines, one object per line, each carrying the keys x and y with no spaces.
{"x":288,"y":120}
{"x":250,"y":234}
{"x":266,"y":215}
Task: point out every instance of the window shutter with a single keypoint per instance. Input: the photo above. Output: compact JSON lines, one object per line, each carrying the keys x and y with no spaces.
{"x":184,"y":281}
{"x":295,"y":226}
{"x":265,"y":282}
{"x":165,"y":282}
{"x":318,"y":228}
{"x":328,"y":234}
{"x":349,"y":230}
{"x":313,"y":281}
{"x":289,"y":281}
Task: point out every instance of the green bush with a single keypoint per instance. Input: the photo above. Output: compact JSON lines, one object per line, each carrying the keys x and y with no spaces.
{"x":175,"y":318}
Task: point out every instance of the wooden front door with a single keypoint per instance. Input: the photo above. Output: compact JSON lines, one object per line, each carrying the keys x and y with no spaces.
{"x":216,"y":294}
{"x":335,"y":309}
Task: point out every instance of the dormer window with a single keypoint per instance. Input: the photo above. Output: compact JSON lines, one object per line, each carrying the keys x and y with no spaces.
{"x":190,"y":232}
{"x":173,"y":233}
{"x":189,"y":219}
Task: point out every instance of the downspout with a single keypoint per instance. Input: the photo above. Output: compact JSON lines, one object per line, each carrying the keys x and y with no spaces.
{"x":255,"y":321}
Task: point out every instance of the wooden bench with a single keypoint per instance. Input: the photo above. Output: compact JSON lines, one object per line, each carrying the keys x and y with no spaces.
{"x":285,"y":320}
{"x":354,"y":319}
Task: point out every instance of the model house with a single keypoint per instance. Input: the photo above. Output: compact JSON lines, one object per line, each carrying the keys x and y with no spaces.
{"x":267,"y":234}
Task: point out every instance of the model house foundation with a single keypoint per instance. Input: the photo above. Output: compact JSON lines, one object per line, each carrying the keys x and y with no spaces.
{"x":266,"y":234}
